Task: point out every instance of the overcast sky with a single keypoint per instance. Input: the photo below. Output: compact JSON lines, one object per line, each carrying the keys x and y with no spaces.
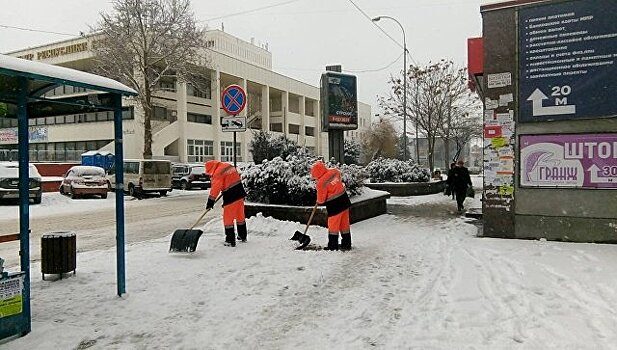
{"x":303,"y":35}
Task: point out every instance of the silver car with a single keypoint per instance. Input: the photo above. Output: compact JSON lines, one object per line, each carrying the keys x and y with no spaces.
{"x":9,"y":182}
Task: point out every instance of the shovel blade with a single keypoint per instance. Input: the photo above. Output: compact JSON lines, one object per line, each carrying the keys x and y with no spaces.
{"x":303,"y":239}
{"x":185,"y":240}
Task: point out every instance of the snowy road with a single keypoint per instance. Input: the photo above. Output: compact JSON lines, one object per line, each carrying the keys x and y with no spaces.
{"x":418,"y":278}
{"x":94,"y":220}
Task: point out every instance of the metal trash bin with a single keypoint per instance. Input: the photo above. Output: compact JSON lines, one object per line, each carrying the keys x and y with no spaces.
{"x":58,"y":253}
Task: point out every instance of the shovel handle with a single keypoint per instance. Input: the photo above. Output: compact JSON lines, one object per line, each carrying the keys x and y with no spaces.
{"x":310,"y":219}
{"x":198,"y":220}
{"x":204,"y":213}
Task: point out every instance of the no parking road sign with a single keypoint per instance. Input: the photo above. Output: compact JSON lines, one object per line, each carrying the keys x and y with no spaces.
{"x":233,"y":99}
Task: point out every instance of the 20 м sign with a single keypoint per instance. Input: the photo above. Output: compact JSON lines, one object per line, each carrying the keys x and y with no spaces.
{"x":577,"y":160}
{"x":567,"y":61}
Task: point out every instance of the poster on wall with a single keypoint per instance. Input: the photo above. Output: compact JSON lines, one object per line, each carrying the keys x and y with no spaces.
{"x":569,"y":160}
{"x":568,"y":61}
{"x":8,"y":136}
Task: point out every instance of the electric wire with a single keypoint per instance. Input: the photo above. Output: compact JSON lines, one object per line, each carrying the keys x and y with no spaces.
{"x":36,"y":30}
{"x":251,"y":10}
{"x":382,"y":30}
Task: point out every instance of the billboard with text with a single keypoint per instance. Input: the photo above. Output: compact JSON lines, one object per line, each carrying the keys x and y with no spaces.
{"x":339,"y":101}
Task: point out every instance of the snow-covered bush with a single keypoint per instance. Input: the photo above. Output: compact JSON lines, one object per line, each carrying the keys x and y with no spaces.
{"x":289,"y":182}
{"x":394,"y":170}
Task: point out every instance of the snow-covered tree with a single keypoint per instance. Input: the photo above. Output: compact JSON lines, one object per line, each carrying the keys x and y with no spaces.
{"x":352,"y":152}
{"x":380,"y":140}
{"x":266,"y":146}
{"x":143,"y":43}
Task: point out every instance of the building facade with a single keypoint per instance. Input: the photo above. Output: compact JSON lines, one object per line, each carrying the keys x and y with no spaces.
{"x":186,"y":123}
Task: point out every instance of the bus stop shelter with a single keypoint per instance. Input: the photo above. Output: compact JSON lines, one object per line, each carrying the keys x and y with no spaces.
{"x":23,"y":88}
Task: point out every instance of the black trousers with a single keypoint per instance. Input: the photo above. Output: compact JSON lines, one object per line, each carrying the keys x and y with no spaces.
{"x":460,"y":197}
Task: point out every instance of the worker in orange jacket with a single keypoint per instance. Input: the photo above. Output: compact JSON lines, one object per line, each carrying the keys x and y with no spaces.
{"x":224,"y":177}
{"x":331,"y":192}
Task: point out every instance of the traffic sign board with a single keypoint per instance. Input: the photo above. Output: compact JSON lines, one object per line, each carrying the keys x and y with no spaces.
{"x":233,"y":99}
{"x":229,"y":124}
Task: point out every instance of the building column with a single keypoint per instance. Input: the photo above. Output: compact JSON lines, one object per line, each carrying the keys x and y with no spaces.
{"x":285,"y":109}
{"x":303,"y":120}
{"x":181,"y":111}
{"x":215,"y":79}
{"x":265,"y":108}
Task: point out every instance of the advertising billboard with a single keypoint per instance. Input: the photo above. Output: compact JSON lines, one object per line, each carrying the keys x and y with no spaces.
{"x":568,"y":61}
{"x":569,"y":160}
{"x":339,"y":101}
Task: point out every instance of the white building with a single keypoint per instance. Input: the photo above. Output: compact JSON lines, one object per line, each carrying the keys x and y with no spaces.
{"x":186,"y":125}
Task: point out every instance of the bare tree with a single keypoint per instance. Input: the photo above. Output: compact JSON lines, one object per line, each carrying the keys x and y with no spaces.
{"x":437,"y":97}
{"x":145,"y":41}
{"x":381,"y":141}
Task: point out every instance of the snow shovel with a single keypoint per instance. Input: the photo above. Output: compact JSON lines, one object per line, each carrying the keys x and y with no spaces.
{"x":303,"y":238}
{"x":185,"y":240}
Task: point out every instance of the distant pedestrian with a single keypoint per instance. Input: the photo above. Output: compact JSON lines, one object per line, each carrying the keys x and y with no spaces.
{"x":449,"y":179}
{"x":224,"y":177}
{"x":331,"y":192}
{"x":459,"y":182}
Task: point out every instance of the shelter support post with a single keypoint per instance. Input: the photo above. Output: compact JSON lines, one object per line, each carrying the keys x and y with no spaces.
{"x":24,"y":196}
{"x":119,"y":160}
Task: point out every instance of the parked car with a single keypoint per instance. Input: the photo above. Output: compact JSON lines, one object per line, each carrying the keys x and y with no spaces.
{"x":187,"y":176}
{"x":83,"y":180}
{"x":9,"y":182}
{"x":143,"y":176}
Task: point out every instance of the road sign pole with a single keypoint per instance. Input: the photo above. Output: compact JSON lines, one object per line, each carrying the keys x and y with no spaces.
{"x":235,"y":165}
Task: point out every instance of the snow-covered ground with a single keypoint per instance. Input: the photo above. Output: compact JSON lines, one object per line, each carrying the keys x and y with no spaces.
{"x":412,"y":282}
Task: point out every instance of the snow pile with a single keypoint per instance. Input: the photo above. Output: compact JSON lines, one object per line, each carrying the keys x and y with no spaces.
{"x":394,"y":170}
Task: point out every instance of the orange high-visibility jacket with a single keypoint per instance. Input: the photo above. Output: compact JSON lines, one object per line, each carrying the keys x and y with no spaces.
{"x":224,"y":177}
{"x":330,"y":189}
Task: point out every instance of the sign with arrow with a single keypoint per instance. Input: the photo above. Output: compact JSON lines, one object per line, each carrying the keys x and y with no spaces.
{"x":567,"y":61}
{"x":570,"y":160}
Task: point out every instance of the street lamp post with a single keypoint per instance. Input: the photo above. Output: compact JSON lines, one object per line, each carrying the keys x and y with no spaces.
{"x":376,"y":19}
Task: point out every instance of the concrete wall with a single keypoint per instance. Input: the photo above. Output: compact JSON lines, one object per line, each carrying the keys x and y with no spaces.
{"x":568,"y":214}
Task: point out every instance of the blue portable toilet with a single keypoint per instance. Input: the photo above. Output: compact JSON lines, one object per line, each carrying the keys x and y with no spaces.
{"x":99,"y":160}
{"x":109,"y":160}
{"x":87,"y":158}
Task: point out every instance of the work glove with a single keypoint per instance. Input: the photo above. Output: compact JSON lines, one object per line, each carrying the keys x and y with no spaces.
{"x":210,"y":204}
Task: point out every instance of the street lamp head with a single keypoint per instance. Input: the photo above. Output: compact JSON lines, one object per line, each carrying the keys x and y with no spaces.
{"x":376,"y":19}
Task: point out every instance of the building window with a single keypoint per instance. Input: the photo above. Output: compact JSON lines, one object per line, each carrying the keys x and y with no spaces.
{"x":227,"y":151}
{"x":278,"y":127}
{"x":199,"y":151}
{"x":294,"y":129}
{"x":199,"y":118}
{"x":166,"y":85}
{"x":203,"y":91}
{"x":308,"y":108}
{"x":309,"y":131}
{"x":159,"y":113}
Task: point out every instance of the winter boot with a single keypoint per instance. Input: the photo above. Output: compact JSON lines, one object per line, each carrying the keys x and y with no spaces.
{"x":230,"y":237}
{"x":242,"y":232}
{"x":346,"y":241}
{"x":332,"y":242}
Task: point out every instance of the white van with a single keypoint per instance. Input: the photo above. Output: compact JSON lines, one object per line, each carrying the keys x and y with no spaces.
{"x":144,"y":176}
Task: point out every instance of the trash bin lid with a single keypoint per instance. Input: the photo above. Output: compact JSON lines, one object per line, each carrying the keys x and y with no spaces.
{"x":58,"y":234}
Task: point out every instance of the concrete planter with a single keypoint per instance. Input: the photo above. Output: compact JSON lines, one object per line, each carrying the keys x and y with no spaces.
{"x":405,"y":189}
{"x":363,"y":207}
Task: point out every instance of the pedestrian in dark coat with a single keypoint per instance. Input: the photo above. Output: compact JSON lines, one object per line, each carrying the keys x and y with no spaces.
{"x":459,"y":182}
